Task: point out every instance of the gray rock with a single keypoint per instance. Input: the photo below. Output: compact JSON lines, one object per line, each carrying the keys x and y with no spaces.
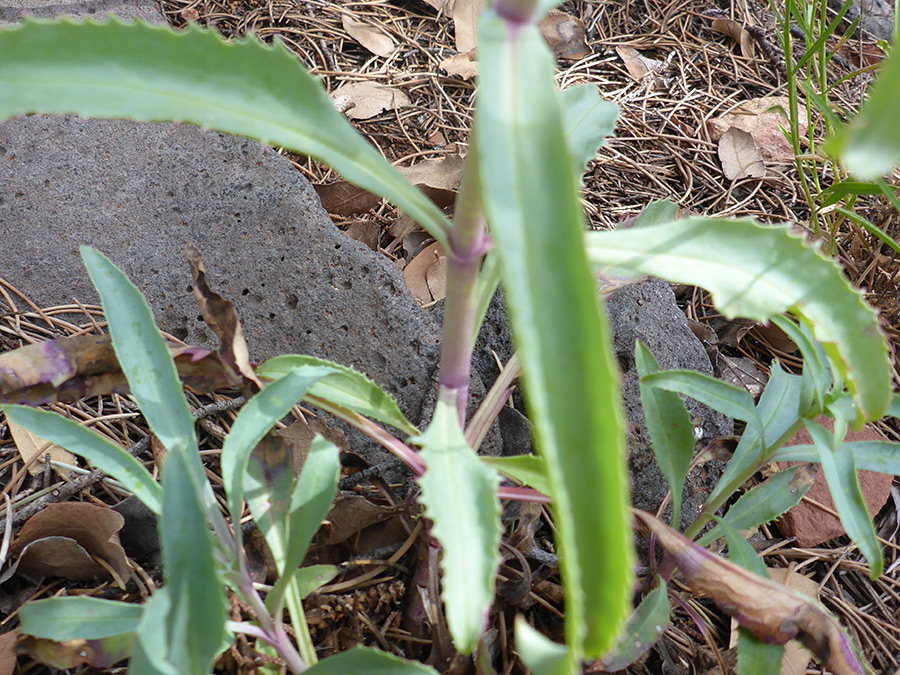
{"x":138,"y":192}
{"x":646,"y":311}
{"x":12,"y":11}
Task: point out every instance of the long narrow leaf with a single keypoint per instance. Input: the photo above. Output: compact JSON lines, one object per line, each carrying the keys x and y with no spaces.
{"x":369,"y":661}
{"x":540,"y":654}
{"x":572,"y":389}
{"x":645,"y":626}
{"x":670,"y":427}
{"x":101,"y":452}
{"x":757,"y":272}
{"x":152,"y":73}
{"x":460,"y":497}
{"x":878,"y":456}
{"x":843,"y":483}
{"x":78,"y":617}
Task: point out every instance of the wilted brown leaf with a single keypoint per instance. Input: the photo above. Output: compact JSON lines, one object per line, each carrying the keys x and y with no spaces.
{"x":769,"y":610}
{"x":736,"y":32}
{"x":739,"y":155}
{"x":372,"y":38}
{"x":463,"y":65}
{"x":564,"y":35}
{"x":416,"y":273}
{"x":636,"y":63}
{"x":346,"y":199}
{"x":221,"y":316}
{"x":64,"y":539}
{"x":353,"y":513}
{"x":762,"y":119}
{"x":8,"y":643}
{"x":465,"y":15}
{"x":33,"y":449}
{"x":362,"y":100}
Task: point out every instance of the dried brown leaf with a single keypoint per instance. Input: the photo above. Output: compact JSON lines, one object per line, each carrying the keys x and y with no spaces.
{"x":564,"y":35}
{"x":371,"y":37}
{"x":415,"y":273}
{"x":463,"y":65}
{"x":222,"y":317}
{"x":8,"y":652}
{"x":769,"y":610}
{"x":353,"y":513}
{"x":762,"y":118}
{"x":736,"y":32}
{"x":346,"y":199}
{"x":436,"y":278}
{"x":367,"y":99}
{"x":299,"y":437}
{"x":465,"y":15}
{"x":739,"y":155}
{"x":100,"y":654}
{"x":636,"y":63}
{"x":31,"y":446}
{"x":437,"y":178}
{"x":63,"y":539}
{"x":364,"y":231}
{"x":742,"y":372}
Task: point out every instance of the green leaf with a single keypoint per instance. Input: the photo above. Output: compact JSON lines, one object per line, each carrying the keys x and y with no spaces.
{"x":870,"y":145}
{"x":101,"y":452}
{"x":728,"y":399}
{"x":460,"y":497}
{"x":368,"y":661}
{"x":78,"y":617}
{"x":644,"y":628}
{"x":152,"y":73}
{"x":656,"y":212}
{"x":268,"y":484}
{"x":255,"y":420}
{"x":541,"y":655}
{"x":763,"y":504}
{"x":817,"y":375}
{"x":195,"y":621}
{"x":146,"y":363}
{"x":670,"y":426}
{"x":843,"y":482}
{"x":151,"y":650}
{"x":878,"y":456}
{"x":588,"y":120}
{"x":528,"y":469}
{"x":778,"y":412}
{"x":343,"y":386}
{"x":758,"y":272}
{"x":310,"y":502}
{"x":572,"y":388}
{"x":308,"y":579}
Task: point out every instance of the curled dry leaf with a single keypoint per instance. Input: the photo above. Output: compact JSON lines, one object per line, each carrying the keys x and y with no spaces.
{"x":372,"y":38}
{"x":362,"y":100}
{"x":437,"y":178}
{"x":65,"y":540}
{"x":221,"y":316}
{"x":736,"y":32}
{"x":346,"y":199}
{"x":32,"y":449}
{"x":465,"y":15}
{"x":636,"y":63}
{"x":463,"y":65}
{"x":769,"y":610}
{"x":419,"y":270}
{"x":564,"y":35}
{"x":8,"y":652}
{"x":739,"y":155}
{"x":761,"y":118}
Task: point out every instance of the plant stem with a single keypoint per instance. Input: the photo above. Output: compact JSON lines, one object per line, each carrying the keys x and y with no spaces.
{"x":466,"y":245}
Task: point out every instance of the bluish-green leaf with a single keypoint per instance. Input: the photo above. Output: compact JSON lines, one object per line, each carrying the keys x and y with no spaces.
{"x":670,"y":426}
{"x":310,"y":502}
{"x":254,"y":421}
{"x":146,"y":362}
{"x":528,"y":469}
{"x":195,"y":621}
{"x":572,"y":389}
{"x":778,"y":411}
{"x":151,"y":650}
{"x":644,"y":628}
{"x":308,"y":579}
{"x":816,"y":371}
{"x":368,"y":661}
{"x":152,"y":73}
{"x":343,"y":386}
{"x":101,"y":452}
{"x":870,"y":145}
{"x":540,"y":654}
{"x":460,"y":497}
{"x":758,"y":271}
{"x":894,"y":408}
{"x":878,"y":456}
{"x":763,"y":504}
{"x":588,"y":121}
{"x":656,"y":212}
{"x":843,"y":482}
{"x":78,"y":617}
{"x":728,"y":399}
